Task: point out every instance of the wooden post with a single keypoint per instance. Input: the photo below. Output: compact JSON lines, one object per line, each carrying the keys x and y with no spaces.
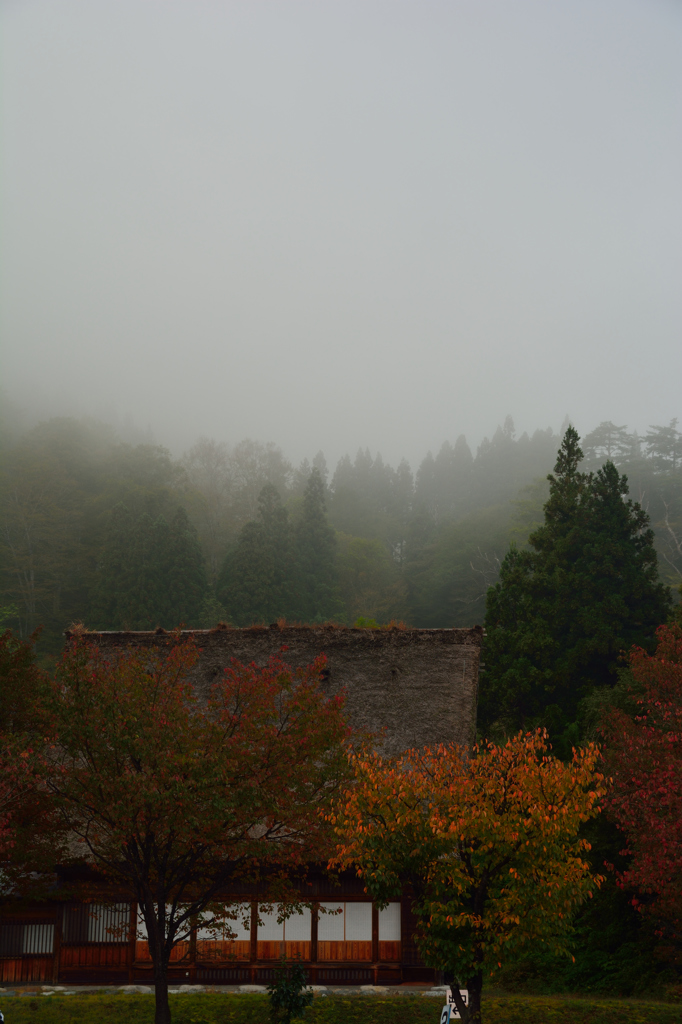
{"x":375,"y":943}
{"x":193,"y":950}
{"x":132,"y":940}
{"x":57,"y":948}
{"x":254,"y":939}
{"x":314,"y":920}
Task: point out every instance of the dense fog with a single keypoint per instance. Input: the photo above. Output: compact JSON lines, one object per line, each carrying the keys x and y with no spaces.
{"x":362,"y":315}
{"x":114,"y":532}
{"x":342,"y":271}
{"x":338,"y":225}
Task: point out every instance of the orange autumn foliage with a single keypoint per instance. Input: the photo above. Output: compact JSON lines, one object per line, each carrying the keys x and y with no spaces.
{"x":489,"y":841}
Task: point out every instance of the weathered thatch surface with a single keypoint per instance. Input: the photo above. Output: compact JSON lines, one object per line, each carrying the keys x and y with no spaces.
{"x":414,"y":686}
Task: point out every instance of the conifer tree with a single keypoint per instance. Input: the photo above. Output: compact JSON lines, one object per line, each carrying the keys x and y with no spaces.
{"x":664,"y":446}
{"x":144,"y":603}
{"x":566,"y":608}
{"x":151,"y":573}
{"x":317,"y":576}
{"x":121,"y":597}
{"x":256,"y":581}
{"x":184,"y":571}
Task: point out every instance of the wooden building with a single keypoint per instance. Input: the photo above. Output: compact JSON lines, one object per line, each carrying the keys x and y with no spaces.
{"x":352,"y":943}
{"x":413,"y":687}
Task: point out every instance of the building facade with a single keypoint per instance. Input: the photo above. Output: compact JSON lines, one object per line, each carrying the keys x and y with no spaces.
{"x":410,"y":688}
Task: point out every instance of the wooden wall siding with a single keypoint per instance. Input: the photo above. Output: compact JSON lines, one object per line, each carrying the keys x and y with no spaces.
{"x":32,"y":950}
{"x":209,"y":951}
{"x":180,"y":952}
{"x":276,"y":950}
{"x":94,"y":955}
{"x":409,"y":923}
{"x":142,"y":955}
{"x":344,"y":950}
{"x":26,"y":949}
{"x":322,"y":886}
{"x":390,"y":951}
{"x":26,"y":970}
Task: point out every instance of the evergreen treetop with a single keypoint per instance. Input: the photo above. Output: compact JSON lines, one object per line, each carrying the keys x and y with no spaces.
{"x":585,"y":590}
{"x":318,"y":596}
{"x":256,"y":581}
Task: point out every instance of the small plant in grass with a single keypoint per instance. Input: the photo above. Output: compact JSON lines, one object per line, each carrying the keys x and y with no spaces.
{"x":289,"y":996}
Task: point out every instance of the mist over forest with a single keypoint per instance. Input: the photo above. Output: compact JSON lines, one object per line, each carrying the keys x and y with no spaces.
{"x":345,"y":229}
{"x":300,"y":304}
{"x":118,"y":534}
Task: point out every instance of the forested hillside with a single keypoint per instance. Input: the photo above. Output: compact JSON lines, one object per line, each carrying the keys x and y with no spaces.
{"x":121,"y":535}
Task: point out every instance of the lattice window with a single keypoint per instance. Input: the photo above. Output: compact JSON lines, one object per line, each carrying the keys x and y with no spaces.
{"x":26,"y":938}
{"x":353,"y":924}
{"x":95,"y":922}
{"x":239,"y":927}
{"x":389,"y":923}
{"x":295,"y":929}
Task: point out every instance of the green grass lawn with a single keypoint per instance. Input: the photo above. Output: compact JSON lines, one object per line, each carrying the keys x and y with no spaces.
{"x":217,"y":1008}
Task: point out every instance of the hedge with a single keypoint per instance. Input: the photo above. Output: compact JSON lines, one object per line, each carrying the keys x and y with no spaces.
{"x":217,"y":1008}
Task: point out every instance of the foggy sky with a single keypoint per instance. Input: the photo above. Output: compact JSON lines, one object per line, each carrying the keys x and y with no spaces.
{"x":333,"y":224}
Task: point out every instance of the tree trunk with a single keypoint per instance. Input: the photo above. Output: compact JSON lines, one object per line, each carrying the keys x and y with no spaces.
{"x":475,"y":987}
{"x":470,"y":1014}
{"x":162,"y":1013}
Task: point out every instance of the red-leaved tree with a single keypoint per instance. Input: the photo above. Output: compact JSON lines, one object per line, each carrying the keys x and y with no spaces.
{"x":175,"y":796}
{"x":644,"y":757}
{"x":15,"y":783}
{"x":28,"y":827}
